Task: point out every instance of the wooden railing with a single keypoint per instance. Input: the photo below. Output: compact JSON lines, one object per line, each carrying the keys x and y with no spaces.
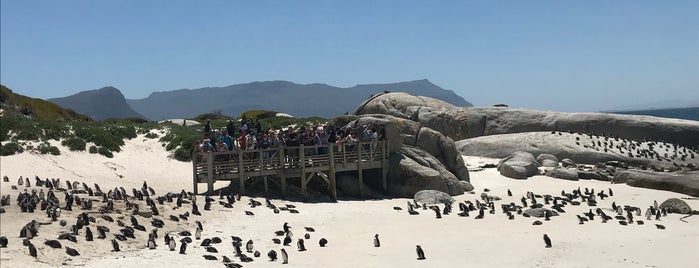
{"x":294,"y":161}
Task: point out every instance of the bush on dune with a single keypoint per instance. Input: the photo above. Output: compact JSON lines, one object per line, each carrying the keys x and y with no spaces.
{"x":10,"y":148}
{"x":74,"y":144}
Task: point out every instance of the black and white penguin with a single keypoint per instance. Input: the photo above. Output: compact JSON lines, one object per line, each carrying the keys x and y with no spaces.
{"x":420,"y":252}
{"x":300,"y":245}
{"x":88,"y":234}
{"x":272,"y":255}
{"x":32,"y":250}
{"x":183,"y":248}
{"x":115,"y":246}
{"x":172,"y":244}
{"x":285,"y":256}
{"x":547,"y":241}
{"x":377,"y":243}
{"x":248,"y":246}
{"x":72,"y":252}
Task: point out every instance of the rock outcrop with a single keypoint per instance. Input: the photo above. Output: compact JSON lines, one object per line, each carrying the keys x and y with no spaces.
{"x":468,"y":122}
{"x":676,"y":205}
{"x":547,"y":160}
{"x":413,"y":170}
{"x":685,"y":183}
{"x":563,"y":173}
{"x":519,"y":165}
{"x":432,"y":197}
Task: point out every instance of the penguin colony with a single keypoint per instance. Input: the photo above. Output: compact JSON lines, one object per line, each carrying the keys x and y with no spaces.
{"x":91,"y":215}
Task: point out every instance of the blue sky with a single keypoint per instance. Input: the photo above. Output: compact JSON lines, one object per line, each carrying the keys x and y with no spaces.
{"x":557,"y":55}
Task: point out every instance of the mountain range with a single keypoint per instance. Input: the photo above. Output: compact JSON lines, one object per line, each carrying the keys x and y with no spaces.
{"x":300,"y":100}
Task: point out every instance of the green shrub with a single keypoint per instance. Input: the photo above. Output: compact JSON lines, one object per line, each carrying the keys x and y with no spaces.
{"x":183,"y":154}
{"x":151,"y":135}
{"x":10,"y":148}
{"x":105,"y":151}
{"x":136,"y":120}
{"x":46,"y":148}
{"x":93,"y":149}
{"x":257,"y":114}
{"x":74,"y":144}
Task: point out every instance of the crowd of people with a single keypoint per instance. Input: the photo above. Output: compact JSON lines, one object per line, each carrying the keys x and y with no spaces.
{"x":250,"y":137}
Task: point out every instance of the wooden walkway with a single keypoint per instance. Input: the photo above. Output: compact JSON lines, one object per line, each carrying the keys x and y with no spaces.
{"x":279,"y":164}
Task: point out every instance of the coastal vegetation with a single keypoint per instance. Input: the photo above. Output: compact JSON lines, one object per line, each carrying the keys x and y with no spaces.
{"x":22,"y":133}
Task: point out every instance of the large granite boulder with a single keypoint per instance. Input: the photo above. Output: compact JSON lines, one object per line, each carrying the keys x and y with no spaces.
{"x":592,"y":175}
{"x":413,"y":170}
{"x":563,"y":173}
{"x":432,"y":197}
{"x":408,"y":132}
{"x":467,"y":122}
{"x":519,"y":165}
{"x":547,"y":160}
{"x":467,"y":186}
{"x":679,"y":182}
{"x":393,"y":133}
{"x":676,"y":205}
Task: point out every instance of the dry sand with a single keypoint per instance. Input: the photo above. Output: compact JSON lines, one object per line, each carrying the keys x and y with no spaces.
{"x":348,"y":225}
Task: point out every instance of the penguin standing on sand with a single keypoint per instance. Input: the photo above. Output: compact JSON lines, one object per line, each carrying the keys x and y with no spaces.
{"x":377,"y":243}
{"x":420,"y":252}
{"x":547,"y":240}
{"x":285,"y":257}
{"x":172,"y":244}
{"x":300,"y":245}
{"x":115,"y":245}
{"x":183,"y":248}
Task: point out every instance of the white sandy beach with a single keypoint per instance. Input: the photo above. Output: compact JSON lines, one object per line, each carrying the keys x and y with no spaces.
{"x":348,"y":225}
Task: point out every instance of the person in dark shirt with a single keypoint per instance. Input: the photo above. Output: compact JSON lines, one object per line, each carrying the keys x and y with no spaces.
{"x":258,"y":127}
{"x":230,"y":128}
{"x":207,"y":129}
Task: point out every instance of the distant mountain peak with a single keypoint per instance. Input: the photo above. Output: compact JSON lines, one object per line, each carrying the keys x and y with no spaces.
{"x":99,"y":104}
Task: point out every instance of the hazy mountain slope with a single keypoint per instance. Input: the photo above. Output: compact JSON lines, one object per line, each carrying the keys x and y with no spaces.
{"x":14,"y":104}
{"x":99,"y":104}
{"x":296,"y":99}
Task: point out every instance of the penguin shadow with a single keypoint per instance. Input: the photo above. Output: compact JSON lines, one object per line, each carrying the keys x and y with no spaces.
{"x":293,"y":193}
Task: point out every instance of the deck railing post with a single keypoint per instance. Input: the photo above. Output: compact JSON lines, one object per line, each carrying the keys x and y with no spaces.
{"x":196,"y":176}
{"x":359,"y":169}
{"x":384,"y":163}
{"x":333,"y":182}
{"x":302,"y":160}
{"x":280,"y":170}
{"x":210,"y":172}
{"x":241,"y":170}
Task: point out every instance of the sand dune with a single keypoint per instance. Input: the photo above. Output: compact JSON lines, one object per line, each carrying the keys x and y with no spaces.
{"x":348,"y":225}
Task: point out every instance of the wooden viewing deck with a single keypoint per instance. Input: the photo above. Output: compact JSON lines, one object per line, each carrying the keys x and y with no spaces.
{"x":279,"y":164}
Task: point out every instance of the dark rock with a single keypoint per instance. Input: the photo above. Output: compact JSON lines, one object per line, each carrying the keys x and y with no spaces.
{"x":539,"y":212}
{"x":519,"y":165}
{"x":568,"y":163}
{"x":547,"y":160}
{"x":563,"y":173}
{"x":432,"y":197}
{"x":679,"y":182}
{"x":676,"y":205}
